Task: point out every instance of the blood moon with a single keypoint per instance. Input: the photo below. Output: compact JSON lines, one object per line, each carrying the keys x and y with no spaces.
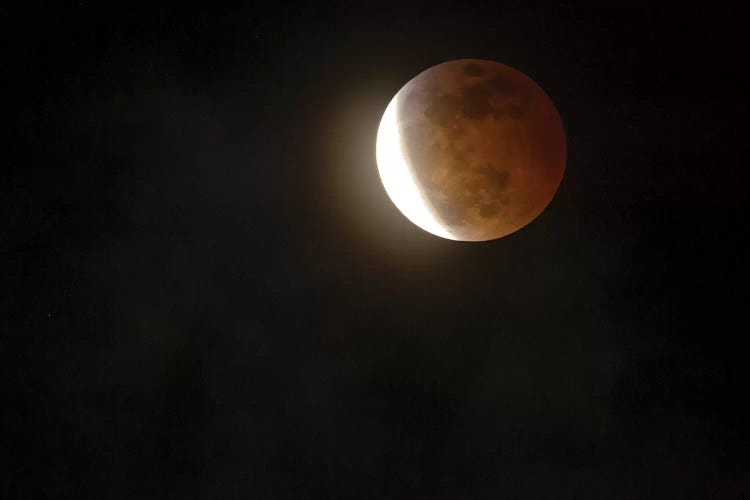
{"x":471,"y":150}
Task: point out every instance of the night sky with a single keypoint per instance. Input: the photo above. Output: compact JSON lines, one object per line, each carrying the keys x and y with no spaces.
{"x":208,"y":293}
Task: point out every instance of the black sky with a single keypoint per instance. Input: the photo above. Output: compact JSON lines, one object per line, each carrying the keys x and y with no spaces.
{"x":208,"y":293}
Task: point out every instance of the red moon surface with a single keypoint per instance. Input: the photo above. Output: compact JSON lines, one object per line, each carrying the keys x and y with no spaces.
{"x":471,"y":150}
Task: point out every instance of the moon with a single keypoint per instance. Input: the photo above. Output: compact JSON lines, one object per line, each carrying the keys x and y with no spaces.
{"x":471,"y":150}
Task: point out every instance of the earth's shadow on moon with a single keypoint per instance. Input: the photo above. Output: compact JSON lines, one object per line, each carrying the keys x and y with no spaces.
{"x":472,"y":132}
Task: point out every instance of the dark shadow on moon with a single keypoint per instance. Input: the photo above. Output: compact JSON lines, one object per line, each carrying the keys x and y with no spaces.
{"x":473,"y":69}
{"x":453,"y":199}
{"x":496,"y":98}
{"x":444,"y":116}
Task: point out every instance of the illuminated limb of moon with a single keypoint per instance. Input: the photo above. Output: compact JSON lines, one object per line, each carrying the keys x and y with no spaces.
{"x":397,"y":176}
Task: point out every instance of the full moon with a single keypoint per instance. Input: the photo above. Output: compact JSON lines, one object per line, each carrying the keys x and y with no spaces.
{"x":471,"y":150}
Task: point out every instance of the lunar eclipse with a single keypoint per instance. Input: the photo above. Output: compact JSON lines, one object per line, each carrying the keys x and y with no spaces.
{"x":300,"y":250}
{"x":471,"y":150}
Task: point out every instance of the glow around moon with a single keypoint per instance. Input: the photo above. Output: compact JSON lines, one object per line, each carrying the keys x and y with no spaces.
{"x":471,"y":150}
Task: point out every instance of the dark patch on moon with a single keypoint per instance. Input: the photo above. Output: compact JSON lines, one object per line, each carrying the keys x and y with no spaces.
{"x":444,"y":110}
{"x":498,"y":179}
{"x":489,"y":210}
{"x":479,"y":187}
{"x":496,"y":97}
{"x":473,"y":69}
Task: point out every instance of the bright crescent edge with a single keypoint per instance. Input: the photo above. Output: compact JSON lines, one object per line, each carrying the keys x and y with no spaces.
{"x":397,"y":177}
